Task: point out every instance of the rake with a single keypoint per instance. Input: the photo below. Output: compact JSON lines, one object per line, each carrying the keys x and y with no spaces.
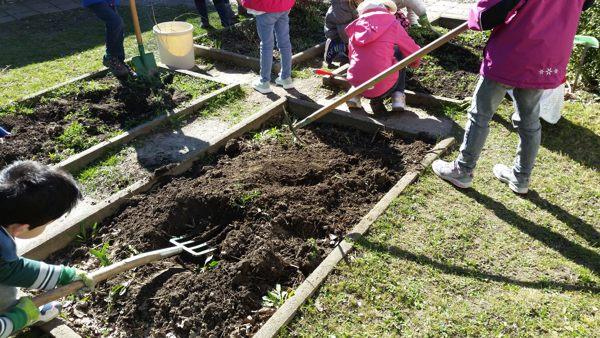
{"x":180,"y":244}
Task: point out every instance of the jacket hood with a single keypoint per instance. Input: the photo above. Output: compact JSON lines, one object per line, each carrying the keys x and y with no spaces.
{"x":370,"y":26}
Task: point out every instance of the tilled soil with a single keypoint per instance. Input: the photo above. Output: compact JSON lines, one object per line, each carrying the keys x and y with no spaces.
{"x":271,"y":208}
{"x":62,"y":124}
{"x":451,"y":70}
{"x":306,"y":30}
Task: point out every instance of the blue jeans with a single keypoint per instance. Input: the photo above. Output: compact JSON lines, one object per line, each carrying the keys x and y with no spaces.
{"x":488,"y":96}
{"x":114,"y":29}
{"x":280,"y":23}
{"x":223,"y":8}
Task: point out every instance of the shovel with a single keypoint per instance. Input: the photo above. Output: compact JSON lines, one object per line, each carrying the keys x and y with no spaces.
{"x":144,"y":64}
{"x":587,"y":42}
{"x":107,"y":272}
{"x":395,"y":68}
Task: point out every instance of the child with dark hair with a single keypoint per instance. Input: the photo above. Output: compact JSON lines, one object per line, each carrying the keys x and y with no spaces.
{"x":31,"y":196}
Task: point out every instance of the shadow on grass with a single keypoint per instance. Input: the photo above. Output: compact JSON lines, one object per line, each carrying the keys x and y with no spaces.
{"x":565,"y":137}
{"x":559,"y":243}
{"x":53,"y":36}
{"x":466,"y":272}
{"x":582,"y":228}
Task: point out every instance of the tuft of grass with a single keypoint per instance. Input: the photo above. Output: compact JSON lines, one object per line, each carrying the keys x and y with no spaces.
{"x":194,"y":86}
{"x":273,"y":133}
{"x":102,"y":254}
{"x":103,"y":175}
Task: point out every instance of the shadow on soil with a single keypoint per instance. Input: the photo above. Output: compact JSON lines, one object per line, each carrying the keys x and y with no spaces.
{"x":567,"y":138}
{"x":466,"y":272}
{"x":572,"y":251}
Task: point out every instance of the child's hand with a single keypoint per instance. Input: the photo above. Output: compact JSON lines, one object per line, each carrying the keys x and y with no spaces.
{"x":85,"y":278}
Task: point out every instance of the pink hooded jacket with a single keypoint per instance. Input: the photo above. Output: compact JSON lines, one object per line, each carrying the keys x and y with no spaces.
{"x":371,"y":49}
{"x":531,"y":41}
{"x":269,"y":6}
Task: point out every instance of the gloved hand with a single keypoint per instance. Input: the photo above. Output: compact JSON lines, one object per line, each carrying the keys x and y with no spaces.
{"x":424,"y":22}
{"x":85,"y":278}
{"x":23,"y":314}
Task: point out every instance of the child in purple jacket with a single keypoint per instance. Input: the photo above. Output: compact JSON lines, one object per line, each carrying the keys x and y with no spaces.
{"x":528,"y":52}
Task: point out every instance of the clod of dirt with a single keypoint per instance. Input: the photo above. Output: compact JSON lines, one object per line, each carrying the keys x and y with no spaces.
{"x":272,"y":211}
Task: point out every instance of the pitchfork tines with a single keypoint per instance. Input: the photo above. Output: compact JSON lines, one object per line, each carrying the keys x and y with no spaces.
{"x":190,"y":247}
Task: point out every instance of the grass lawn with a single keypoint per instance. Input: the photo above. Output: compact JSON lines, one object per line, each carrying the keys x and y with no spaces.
{"x":44,"y":50}
{"x":481,"y":262}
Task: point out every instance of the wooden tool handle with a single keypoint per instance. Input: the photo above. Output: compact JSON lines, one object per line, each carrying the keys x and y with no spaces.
{"x":395,"y":68}
{"x":136,"y":22}
{"x":107,"y":272}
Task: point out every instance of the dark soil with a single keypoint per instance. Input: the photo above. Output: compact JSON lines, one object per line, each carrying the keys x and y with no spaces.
{"x":76,"y":117}
{"x":450,"y":71}
{"x":306,"y":30}
{"x":272,"y":209}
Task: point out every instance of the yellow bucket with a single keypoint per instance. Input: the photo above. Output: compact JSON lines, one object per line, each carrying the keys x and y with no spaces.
{"x":175,"y":44}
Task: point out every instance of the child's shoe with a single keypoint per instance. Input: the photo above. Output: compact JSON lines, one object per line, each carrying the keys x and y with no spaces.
{"x":506,"y":175}
{"x":378,"y":107}
{"x":285,"y":83}
{"x":49,"y":311}
{"x":119,"y":68}
{"x":452,"y":172}
{"x":262,"y":87}
{"x":398,"y":101}
{"x":354,"y":103}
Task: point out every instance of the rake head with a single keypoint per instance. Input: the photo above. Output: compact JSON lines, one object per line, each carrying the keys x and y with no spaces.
{"x":191,"y":246}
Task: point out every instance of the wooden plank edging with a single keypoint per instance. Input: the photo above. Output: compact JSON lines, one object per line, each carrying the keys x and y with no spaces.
{"x":288,"y":310}
{"x":80,"y":160}
{"x":69,"y":228}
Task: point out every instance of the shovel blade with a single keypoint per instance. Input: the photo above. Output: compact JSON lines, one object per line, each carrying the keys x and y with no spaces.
{"x":145,"y":66}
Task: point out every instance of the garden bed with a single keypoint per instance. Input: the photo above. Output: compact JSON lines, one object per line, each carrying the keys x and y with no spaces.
{"x":306,"y":31}
{"x":450,"y":71}
{"x":72,"y":118}
{"x":272,"y":209}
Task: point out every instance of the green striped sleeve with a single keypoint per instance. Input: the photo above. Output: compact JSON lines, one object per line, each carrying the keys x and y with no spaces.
{"x":32,"y":274}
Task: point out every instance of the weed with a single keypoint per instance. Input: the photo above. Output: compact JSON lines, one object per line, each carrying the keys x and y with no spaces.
{"x":75,"y":137}
{"x":102,"y":254}
{"x":314,"y":249}
{"x":276,"y":297}
{"x":273,"y":133}
{"x":117,"y":291}
{"x":87,"y":234}
{"x":16,"y":109}
{"x":209,"y":264}
{"x":247,"y":197}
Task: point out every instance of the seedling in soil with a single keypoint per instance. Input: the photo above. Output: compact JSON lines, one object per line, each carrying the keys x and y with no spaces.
{"x":314,"y":249}
{"x":268,"y":134}
{"x":209,"y":264}
{"x":275,"y":298}
{"x":102,"y":254}
{"x":247,"y":197}
{"x":15,"y":109}
{"x":115,"y":292}
{"x":86,"y":234}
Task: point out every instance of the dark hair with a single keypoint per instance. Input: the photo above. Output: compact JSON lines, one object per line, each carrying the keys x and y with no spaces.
{"x":35,"y":194}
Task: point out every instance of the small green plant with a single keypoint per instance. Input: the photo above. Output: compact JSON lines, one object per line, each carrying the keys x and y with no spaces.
{"x":268,"y":134}
{"x":102,"y":254}
{"x":247,"y":197}
{"x":209,"y":264}
{"x":314,"y":249}
{"x":276,"y":297}
{"x":117,"y":291}
{"x":87,"y":233}
{"x":75,"y":137}
{"x":15,"y":109}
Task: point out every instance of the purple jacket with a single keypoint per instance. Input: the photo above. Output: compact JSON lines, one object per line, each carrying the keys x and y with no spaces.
{"x":531,"y":41}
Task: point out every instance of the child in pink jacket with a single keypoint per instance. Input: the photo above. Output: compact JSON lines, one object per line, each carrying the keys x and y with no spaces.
{"x":528,"y":52}
{"x":374,"y":37}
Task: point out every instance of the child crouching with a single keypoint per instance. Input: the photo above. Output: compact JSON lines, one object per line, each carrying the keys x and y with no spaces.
{"x":31,"y":196}
{"x":376,"y":39}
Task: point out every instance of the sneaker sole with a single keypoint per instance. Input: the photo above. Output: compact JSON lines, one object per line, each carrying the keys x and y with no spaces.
{"x":454,"y":182}
{"x":285,"y":87}
{"x":512,"y":186}
{"x":262,"y":91}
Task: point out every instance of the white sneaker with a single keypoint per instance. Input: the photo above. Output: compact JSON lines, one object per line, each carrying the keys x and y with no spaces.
{"x":506,"y":175}
{"x":398,"y":101}
{"x":451,"y":172}
{"x":262,"y":87}
{"x":354,"y":103}
{"x":285,"y":83}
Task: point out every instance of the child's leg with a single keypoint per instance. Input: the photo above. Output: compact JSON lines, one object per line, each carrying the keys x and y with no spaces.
{"x":203,"y":11}
{"x":265,"y":24}
{"x":282,"y":29}
{"x":488,"y":96}
{"x":114,"y":29}
{"x":527,"y":122}
{"x":225,"y":13}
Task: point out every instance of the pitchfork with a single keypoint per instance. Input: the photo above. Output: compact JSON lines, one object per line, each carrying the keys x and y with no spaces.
{"x":180,"y":244}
